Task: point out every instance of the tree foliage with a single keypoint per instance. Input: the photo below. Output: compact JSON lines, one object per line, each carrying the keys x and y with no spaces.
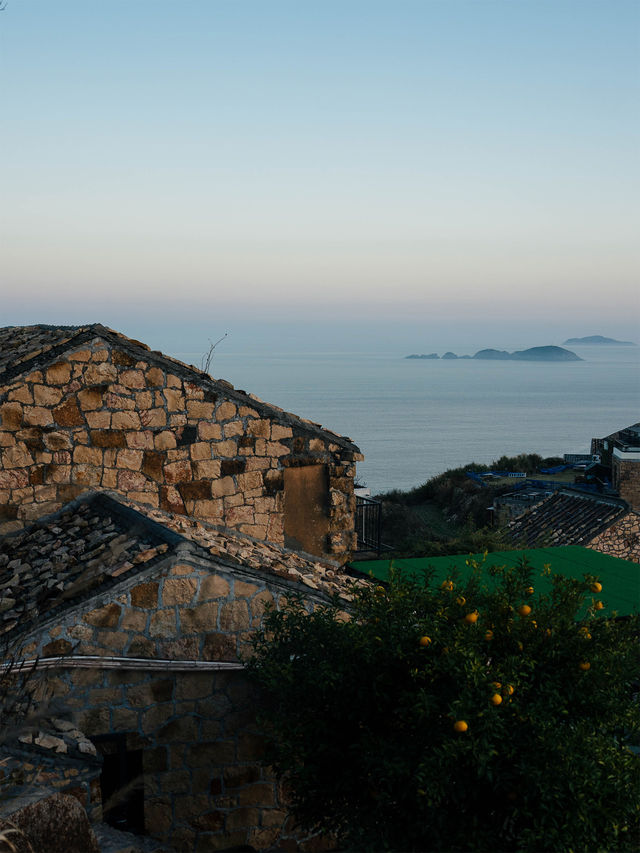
{"x":452,"y":718}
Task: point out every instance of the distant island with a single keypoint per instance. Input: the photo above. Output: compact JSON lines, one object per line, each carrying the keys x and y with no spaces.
{"x":532,"y":354}
{"x":598,"y":339}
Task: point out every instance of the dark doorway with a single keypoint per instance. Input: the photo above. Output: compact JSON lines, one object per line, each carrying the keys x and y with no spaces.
{"x":121,"y":783}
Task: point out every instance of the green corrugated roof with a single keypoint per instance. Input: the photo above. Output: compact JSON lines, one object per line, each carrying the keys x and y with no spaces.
{"x":620,"y":578}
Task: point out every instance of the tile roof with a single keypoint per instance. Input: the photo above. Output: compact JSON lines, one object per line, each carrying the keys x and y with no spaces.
{"x":27,"y":348}
{"x":20,"y":345}
{"x":566,"y":518}
{"x":100,"y":539}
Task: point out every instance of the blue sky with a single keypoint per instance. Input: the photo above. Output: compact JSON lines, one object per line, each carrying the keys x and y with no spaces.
{"x":251,"y":166}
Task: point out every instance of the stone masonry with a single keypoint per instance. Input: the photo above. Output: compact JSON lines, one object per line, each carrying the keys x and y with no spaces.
{"x":91,"y":409}
{"x":622,"y":539}
{"x":626,"y":478}
{"x":143,"y":619}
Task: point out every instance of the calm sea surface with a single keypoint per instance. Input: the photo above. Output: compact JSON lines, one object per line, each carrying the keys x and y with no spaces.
{"x":415,"y":419}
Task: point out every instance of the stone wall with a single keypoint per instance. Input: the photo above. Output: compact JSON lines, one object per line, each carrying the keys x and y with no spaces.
{"x":626,"y":479}
{"x":205,"y":788}
{"x":622,"y":539}
{"x":102,"y":416}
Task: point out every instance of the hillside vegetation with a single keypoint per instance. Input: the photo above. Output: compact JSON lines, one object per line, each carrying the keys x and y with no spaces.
{"x":449,"y":513}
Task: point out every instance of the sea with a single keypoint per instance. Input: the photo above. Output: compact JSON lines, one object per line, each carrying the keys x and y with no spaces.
{"x":413,"y":419}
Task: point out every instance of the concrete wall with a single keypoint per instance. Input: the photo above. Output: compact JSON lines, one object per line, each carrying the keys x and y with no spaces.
{"x":102,"y":417}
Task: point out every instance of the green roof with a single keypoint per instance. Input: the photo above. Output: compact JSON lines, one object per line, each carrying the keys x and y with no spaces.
{"x":620,"y":579}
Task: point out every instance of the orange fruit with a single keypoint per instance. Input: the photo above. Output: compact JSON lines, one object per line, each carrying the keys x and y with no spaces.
{"x":524,"y":610}
{"x":584,"y":665}
{"x":599,"y":605}
{"x":425,"y":641}
{"x":596,"y":587}
{"x":529,"y":590}
{"x":488,"y":635}
{"x":471,"y":617}
{"x":496,"y":699}
{"x":510,"y":689}
{"x":448,"y":585}
{"x":461,"y":600}
{"x":460,"y":726}
{"x":496,"y":684}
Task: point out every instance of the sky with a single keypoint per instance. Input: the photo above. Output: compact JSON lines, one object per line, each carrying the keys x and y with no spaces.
{"x":306,"y":174}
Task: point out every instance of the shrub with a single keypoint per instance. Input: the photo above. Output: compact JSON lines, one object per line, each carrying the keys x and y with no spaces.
{"x":453,"y":718}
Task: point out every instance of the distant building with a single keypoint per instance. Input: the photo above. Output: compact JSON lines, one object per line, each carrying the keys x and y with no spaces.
{"x":620,"y":451}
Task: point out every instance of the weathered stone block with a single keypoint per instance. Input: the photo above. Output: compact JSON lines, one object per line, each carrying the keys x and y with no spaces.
{"x":108,"y":438}
{"x":224,"y":486}
{"x":16,"y":457}
{"x":197,"y":410}
{"x":11,"y":414}
{"x":43,"y":395}
{"x":209,"y":755}
{"x":207,"y":469}
{"x":213,"y":586}
{"x":68,"y":414}
{"x":141,"y":647}
{"x":57,"y":647}
{"x":21,"y":394}
{"x":234,"y":616}
{"x":208,"y":431}
{"x":177,"y":472}
{"x":101,"y":373}
{"x":125,"y":420}
{"x":103,"y":617}
{"x":131,"y":481}
{"x":178,"y":591}
{"x":202,"y":617}
{"x":132,"y":379}
{"x":113,"y":641}
{"x":165,"y":440}
{"x":87,"y":455}
{"x":153,"y":418}
{"x":170,"y":500}
{"x":140,"y":439}
{"x":86,"y":475}
{"x":196,"y":490}
{"x":162,"y":624}
{"x":59,"y":373}
{"x":145,"y":595}
{"x":38,"y":416}
{"x":131,"y":459}
{"x":220,"y":647}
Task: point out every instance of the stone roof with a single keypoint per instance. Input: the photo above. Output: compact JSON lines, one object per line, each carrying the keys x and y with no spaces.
{"x":27,"y":348}
{"x":100,"y":539}
{"x":566,"y":517}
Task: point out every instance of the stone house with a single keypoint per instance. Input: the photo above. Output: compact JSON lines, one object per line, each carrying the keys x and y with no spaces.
{"x":141,"y":617}
{"x":149,"y":513}
{"x":85,"y":407}
{"x":572,"y":517}
{"x":620,"y":452}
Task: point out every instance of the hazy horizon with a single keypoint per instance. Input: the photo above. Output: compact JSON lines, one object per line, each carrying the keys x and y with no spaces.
{"x":404,"y":176}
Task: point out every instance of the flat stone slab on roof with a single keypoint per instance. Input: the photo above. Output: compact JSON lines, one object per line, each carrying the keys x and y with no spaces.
{"x":100,"y":539}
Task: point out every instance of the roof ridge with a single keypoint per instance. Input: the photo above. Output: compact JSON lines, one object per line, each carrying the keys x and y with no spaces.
{"x":189,"y":372}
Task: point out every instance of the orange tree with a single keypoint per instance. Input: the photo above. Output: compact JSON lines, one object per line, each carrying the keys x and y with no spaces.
{"x":475,"y":715}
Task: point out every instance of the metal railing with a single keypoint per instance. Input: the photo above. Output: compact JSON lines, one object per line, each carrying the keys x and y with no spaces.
{"x":368,"y":524}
